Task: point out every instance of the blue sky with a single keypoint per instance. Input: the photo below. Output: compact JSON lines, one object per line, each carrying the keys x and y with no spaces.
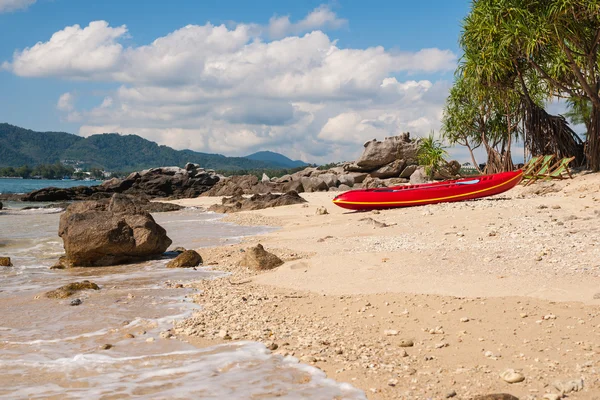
{"x":312,"y":80}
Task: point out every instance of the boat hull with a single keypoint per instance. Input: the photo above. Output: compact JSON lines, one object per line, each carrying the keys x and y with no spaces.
{"x":429,"y":193}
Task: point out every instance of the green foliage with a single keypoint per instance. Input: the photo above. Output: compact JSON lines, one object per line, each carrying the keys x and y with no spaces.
{"x":431,"y":154}
{"x":46,"y":171}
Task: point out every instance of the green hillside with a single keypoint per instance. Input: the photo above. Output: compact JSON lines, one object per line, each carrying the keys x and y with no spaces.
{"x":276,"y":159}
{"x":109,"y":151}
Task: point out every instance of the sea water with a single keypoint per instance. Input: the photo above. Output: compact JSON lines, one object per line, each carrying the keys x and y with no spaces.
{"x":12,"y":185}
{"x":52,"y":350}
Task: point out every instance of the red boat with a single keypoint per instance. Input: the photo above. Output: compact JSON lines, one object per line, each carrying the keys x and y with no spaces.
{"x":429,"y":193}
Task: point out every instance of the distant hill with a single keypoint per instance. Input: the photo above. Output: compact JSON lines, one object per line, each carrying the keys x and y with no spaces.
{"x":276,"y":159}
{"x":109,"y":151}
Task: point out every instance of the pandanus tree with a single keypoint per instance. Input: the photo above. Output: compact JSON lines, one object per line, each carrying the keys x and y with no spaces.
{"x":539,"y":46}
{"x":478,"y":115}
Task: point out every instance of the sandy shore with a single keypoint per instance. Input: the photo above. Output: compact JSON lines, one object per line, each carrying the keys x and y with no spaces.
{"x":424,"y":302}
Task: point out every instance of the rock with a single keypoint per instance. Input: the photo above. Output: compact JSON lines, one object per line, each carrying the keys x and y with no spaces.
{"x":106,"y":346}
{"x":313,"y":184}
{"x":321,"y":211}
{"x":265,"y":178}
{"x":512,"y":376}
{"x":344,"y":188}
{"x":378,"y":154}
{"x":232,"y":186}
{"x":390,"y":332}
{"x":156,"y":182}
{"x":187,"y":259}
{"x":68,"y":290}
{"x":451,"y":394}
{"x":5,"y":262}
{"x":331,"y":180}
{"x":284,"y":179}
{"x":256,"y":202}
{"x":295,"y":186}
{"x":391,"y":170}
{"x":408,"y":171}
{"x":117,"y":232}
{"x":259,"y":259}
{"x":358,"y":177}
{"x":406,"y":343}
{"x":450,"y":170}
{"x":370,"y":183}
{"x":346,"y":179}
{"x":419,"y":176}
{"x":76,"y":302}
{"x":496,"y":396}
{"x":565,"y":387}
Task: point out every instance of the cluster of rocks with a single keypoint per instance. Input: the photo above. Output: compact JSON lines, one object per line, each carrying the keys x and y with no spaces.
{"x":256,"y":202}
{"x":390,"y":162}
{"x":172,"y":182}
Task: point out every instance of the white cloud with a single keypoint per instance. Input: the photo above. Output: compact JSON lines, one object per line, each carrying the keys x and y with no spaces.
{"x":320,"y":18}
{"x":13,"y":5}
{"x":66,"y":102}
{"x":73,"y":53}
{"x":225,"y":89}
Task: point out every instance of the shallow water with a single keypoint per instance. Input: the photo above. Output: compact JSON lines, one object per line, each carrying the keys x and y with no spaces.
{"x":50,"y":349}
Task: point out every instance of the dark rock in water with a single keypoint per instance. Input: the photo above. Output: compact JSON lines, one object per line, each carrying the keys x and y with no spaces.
{"x":76,"y":302}
{"x":257,"y":202}
{"x":258,"y":258}
{"x":11,"y":197}
{"x":496,"y":396}
{"x":171,"y":182}
{"x":187,"y":259}
{"x":99,"y":233}
{"x":68,"y":290}
{"x":5,"y":262}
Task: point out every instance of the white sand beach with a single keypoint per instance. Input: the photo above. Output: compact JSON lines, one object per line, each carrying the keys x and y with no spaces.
{"x":511,"y":282}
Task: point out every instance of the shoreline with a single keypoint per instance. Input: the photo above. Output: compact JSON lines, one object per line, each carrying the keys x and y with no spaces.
{"x":478,"y":287}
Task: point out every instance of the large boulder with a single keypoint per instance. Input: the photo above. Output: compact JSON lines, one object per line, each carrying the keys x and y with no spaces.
{"x":99,"y":233}
{"x":347,"y":179}
{"x":377,"y":154}
{"x":408,"y":171}
{"x":330,"y":179}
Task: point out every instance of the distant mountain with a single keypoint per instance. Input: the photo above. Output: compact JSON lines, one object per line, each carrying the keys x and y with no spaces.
{"x":109,"y":151}
{"x":276,"y":159}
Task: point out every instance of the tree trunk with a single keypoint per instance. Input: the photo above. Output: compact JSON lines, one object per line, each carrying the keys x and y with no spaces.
{"x":593,"y":140}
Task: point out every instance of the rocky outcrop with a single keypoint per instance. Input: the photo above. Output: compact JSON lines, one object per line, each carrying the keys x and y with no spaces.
{"x":256,"y":202}
{"x":232,"y":186}
{"x":172,"y":182}
{"x":257,"y":258}
{"x":109,"y":233}
{"x":187,"y":259}
{"x":377,"y":154}
{"x":5,"y":262}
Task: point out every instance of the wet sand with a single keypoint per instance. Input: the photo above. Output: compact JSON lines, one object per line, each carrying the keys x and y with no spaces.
{"x":511,"y":282}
